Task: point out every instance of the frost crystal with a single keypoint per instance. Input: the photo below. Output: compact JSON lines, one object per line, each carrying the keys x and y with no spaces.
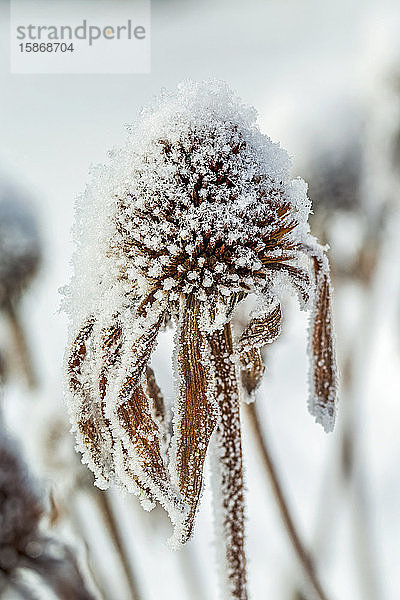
{"x":194,"y":213}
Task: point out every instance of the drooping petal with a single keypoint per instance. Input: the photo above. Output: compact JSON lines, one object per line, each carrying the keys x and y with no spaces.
{"x":133,"y":414}
{"x":117,"y":414}
{"x":194,"y":414}
{"x":94,"y":437}
{"x":322,"y":403}
{"x":260,"y":331}
{"x":228,"y":485}
{"x":323,"y":372}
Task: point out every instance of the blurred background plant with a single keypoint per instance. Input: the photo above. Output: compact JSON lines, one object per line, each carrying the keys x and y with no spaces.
{"x":24,"y":547}
{"x":325,"y":78}
{"x":20,"y":255}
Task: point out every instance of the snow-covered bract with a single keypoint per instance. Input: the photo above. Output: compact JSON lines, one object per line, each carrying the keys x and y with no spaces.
{"x":195,"y":212}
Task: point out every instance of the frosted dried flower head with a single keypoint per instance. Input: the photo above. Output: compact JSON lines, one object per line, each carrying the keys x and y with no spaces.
{"x":19,"y":245}
{"x":192,"y":214}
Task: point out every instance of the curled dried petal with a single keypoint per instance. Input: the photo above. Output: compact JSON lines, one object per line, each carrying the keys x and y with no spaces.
{"x":117,"y":426}
{"x":259,"y":332}
{"x":135,"y":424}
{"x":143,"y":459}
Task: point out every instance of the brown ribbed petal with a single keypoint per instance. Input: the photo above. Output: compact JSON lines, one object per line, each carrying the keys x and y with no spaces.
{"x":195,"y":417}
{"x":131,"y":428}
{"x":111,"y":355}
{"x":142,"y":438}
{"x":324,"y":372}
{"x":93,"y":427}
{"x":143,"y":461}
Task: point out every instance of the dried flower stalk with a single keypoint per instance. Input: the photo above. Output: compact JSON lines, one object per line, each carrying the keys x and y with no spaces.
{"x":195,"y":213}
{"x":302,"y":554}
{"x":20,"y":256}
{"x":230,"y":485}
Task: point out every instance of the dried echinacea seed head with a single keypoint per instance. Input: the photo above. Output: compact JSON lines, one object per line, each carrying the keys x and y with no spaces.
{"x":194,"y":213}
{"x":205,"y":207}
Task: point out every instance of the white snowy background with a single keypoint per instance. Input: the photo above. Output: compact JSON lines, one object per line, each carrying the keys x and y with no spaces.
{"x":303,"y":65}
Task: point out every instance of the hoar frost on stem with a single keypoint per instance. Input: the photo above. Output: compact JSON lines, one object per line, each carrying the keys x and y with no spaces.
{"x":194,"y":213}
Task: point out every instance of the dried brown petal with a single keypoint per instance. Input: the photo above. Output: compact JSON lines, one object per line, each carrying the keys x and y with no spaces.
{"x":144,"y":439}
{"x":94,"y":435}
{"x":194,"y":414}
{"x":140,"y":432}
{"x":127,"y":428}
{"x":324,"y":373}
{"x":260,"y":331}
{"x":252,"y":370}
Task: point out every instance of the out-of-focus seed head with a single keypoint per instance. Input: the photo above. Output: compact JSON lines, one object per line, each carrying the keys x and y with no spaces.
{"x":20,"y":507}
{"x":334,"y":178}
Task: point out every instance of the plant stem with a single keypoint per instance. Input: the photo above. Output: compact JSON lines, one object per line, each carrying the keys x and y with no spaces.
{"x":105,"y":506}
{"x":302,"y":554}
{"x":228,"y":469}
{"x":21,"y":345}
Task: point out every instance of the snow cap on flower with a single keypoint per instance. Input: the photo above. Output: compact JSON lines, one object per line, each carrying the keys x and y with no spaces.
{"x":195,"y":212}
{"x":184,"y":201}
